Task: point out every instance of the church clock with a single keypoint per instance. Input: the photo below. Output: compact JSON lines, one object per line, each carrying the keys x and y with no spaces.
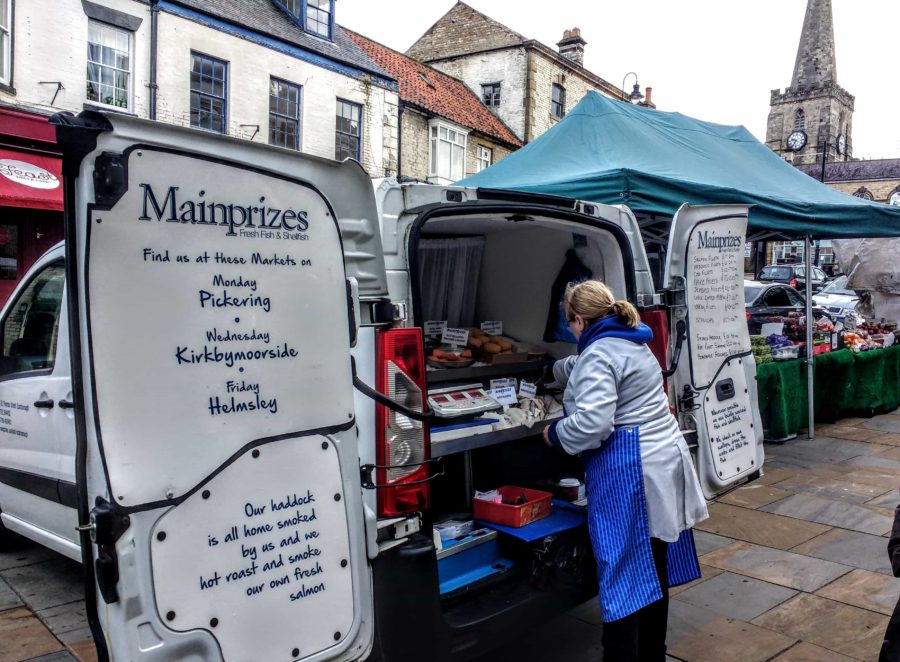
{"x":796,"y":140}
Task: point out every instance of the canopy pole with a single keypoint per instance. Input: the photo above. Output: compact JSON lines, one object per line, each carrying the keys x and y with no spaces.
{"x":810,"y":370}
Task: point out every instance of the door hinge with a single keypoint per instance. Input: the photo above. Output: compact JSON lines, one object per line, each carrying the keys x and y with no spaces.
{"x":107,"y":524}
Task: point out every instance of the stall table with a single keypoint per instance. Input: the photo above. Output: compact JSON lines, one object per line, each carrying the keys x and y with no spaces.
{"x":846,"y":384}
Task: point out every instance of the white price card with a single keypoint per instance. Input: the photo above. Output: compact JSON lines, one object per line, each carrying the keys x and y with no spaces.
{"x":492,"y":328}
{"x":503,"y":382}
{"x":504,"y":396}
{"x":451,"y":336}
{"x":435,"y":327}
{"x":527,"y":389}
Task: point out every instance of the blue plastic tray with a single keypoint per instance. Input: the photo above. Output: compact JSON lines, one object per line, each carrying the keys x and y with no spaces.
{"x":562,"y":517}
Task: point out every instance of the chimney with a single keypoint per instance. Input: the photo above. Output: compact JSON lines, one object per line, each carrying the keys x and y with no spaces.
{"x":648,"y":101}
{"x":572,"y":46}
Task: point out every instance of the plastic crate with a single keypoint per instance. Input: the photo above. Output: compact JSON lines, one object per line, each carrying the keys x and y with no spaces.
{"x":821,"y":349}
{"x":536,"y":506}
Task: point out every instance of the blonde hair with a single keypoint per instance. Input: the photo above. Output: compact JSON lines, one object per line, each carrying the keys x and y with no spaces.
{"x":594,"y":300}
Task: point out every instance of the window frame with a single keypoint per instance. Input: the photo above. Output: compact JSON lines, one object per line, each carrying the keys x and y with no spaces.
{"x":298,"y":10}
{"x":337,"y":132}
{"x":329,"y":24}
{"x":800,"y":120}
{"x":224,"y":96}
{"x":482,"y":163}
{"x":129,"y":93}
{"x":298,"y":119}
{"x":894,"y":198}
{"x":434,"y":139}
{"x":7,"y":35}
{"x":494,"y":99}
{"x":557,"y":106}
{"x":13,"y":304}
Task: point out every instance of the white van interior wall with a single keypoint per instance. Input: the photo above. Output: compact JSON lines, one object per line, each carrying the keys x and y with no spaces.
{"x":518,"y":270}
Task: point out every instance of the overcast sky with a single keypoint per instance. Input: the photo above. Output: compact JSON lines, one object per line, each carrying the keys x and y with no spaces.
{"x":715,"y":60}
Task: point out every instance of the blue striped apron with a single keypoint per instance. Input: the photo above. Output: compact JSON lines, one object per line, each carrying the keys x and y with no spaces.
{"x":619,"y":530}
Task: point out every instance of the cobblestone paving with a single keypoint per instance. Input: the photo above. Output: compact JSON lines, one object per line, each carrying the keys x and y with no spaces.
{"x":794,"y":567}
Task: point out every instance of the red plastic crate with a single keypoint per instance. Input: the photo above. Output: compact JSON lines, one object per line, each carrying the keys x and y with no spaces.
{"x":536,"y":506}
{"x":821,"y":349}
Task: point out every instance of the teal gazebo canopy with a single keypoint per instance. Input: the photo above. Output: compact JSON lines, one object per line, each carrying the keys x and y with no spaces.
{"x":613,"y":152}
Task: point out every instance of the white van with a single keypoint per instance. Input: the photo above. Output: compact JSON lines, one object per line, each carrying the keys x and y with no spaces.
{"x":190,"y":383}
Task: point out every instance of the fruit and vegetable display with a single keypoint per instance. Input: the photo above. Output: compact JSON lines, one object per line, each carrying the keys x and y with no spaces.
{"x":761,"y":350}
{"x":775,"y":341}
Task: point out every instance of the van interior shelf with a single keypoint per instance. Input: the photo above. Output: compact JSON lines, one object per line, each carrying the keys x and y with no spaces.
{"x":451,"y":446}
{"x":484,"y":371}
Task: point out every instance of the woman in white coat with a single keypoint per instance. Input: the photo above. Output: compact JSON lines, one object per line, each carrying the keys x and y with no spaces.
{"x":643,"y":494}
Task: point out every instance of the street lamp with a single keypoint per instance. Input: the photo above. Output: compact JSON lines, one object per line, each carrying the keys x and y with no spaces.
{"x":635,"y":95}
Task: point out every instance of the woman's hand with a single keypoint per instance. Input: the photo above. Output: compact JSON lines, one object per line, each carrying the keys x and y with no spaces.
{"x":546,"y":434}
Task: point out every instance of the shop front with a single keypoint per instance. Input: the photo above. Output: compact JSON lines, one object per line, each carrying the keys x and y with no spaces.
{"x":31,"y":194}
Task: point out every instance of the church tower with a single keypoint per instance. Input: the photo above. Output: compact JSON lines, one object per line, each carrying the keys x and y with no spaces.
{"x":814,"y":112}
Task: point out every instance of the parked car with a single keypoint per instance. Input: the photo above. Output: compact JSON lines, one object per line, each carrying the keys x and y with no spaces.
{"x":793,"y":275}
{"x":765,"y":300}
{"x":837,"y":299}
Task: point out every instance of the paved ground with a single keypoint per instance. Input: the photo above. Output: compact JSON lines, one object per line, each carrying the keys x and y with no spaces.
{"x":795,"y":569}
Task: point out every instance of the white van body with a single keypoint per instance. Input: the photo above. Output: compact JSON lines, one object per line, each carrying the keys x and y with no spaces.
{"x":178,"y":383}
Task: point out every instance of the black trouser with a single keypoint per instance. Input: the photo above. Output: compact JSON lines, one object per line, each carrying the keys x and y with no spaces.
{"x":641,"y":636}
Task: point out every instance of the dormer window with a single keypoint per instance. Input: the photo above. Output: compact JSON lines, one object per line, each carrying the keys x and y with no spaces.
{"x":316,"y":16}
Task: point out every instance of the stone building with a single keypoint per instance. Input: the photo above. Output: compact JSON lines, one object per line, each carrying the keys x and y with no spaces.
{"x":446,"y":132}
{"x":812,"y":119}
{"x":276,"y":71}
{"x":528,"y":85}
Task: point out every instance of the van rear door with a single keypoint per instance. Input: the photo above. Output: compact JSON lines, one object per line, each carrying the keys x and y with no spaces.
{"x":715,"y":379}
{"x":217,"y":452}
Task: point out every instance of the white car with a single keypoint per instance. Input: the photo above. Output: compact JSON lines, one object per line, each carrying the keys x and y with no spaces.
{"x":837,"y":299}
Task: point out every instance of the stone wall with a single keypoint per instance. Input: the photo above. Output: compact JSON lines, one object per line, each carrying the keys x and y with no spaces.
{"x":881,"y":190}
{"x":507,"y":67}
{"x":498,"y":151}
{"x":544,"y":73}
{"x":414,"y":145}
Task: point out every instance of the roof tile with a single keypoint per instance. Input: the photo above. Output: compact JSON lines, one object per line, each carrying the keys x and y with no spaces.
{"x":436,"y":92}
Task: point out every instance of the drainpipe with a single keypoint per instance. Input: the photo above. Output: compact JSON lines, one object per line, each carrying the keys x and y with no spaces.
{"x":400,"y":110}
{"x":154,"y":45}
{"x":528,"y":96}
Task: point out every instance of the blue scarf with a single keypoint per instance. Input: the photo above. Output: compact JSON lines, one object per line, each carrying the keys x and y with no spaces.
{"x":612,"y":326}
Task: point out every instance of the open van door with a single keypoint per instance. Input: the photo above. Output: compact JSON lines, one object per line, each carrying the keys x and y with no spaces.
{"x":217,"y":468}
{"x":715,"y":377}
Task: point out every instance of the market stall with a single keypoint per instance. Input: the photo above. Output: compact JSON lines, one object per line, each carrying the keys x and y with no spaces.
{"x":612,"y":152}
{"x":847,"y":383}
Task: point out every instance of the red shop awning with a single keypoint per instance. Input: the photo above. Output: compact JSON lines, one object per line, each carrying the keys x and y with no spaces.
{"x":30,"y":180}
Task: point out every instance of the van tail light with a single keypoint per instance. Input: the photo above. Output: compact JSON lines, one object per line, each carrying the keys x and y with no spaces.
{"x":747,"y":313}
{"x":403,"y":447}
{"x":793,"y":282}
{"x":658,"y":322}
